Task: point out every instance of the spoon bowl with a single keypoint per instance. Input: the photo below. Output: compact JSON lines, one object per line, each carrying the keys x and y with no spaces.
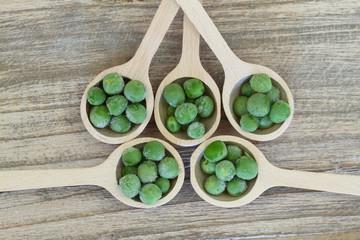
{"x":105,"y":175}
{"x":188,"y":67}
{"x":268,"y":176}
{"x":136,"y":69}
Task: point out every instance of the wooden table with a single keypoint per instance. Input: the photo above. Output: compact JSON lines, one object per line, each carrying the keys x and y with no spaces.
{"x":50,"y":50}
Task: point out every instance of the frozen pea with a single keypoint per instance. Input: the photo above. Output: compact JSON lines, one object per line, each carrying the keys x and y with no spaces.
{"x":258,"y":105}
{"x":246,"y":168}
{"x":136,"y":113}
{"x":186,"y":113}
{"x":147,"y":172}
{"x":100,"y":116}
{"x":265,"y":122}
{"x":249,"y":123}
{"x":194,"y":88}
{"x":172,"y":125}
{"x":236,"y":187}
{"x":233,"y":153}
{"x":215,"y":151}
{"x":240,"y":106}
{"x":130,"y":185}
{"x":246,"y":90}
{"x":131,"y":156}
{"x":163,"y":184}
{"x":113,"y":83}
{"x":205,"y":106}
{"x":135,"y":91}
{"x":168,"y":168}
{"x":154,"y":150}
{"x":196,"y":130}
{"x":279,"y":112}
{"x":207,"y":166}
{"x":150,"y":193}
{"x":214,"y":185}
{"x":260,"y":83}
{"x":120,"y":124}
{"x":96,"y":96}
{"x":170,"y":111}
{"x":174,"y":94}
{"x":116,"y":104}
{"x":225,"y":170}
{"x":273,"y":94}
{"x":129,"y":170}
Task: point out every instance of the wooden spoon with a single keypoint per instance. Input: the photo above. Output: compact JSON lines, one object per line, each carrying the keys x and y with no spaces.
{"x":136,"y":68}
{"x":105,"y":175}
{"x":268,"y":176}
{"x":236,"y":72}
{"x":189,"y":66}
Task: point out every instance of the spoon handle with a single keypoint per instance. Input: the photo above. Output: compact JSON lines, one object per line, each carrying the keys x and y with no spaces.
{"x":346,"y":184}
{"x":205,"y":26}
{"x":34,"y":179}
{"x":155,"y":34}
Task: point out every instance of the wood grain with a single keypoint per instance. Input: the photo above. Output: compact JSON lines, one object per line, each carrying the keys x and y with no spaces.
{"x":49,"y":52}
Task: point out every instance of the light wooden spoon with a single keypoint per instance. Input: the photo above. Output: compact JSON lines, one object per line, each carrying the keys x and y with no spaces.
{"x":189,"y":66}
{"x":136,"y":68}
{"x":268,"y":176}
{"x":105,"y":175}
{"x":236,"y":72}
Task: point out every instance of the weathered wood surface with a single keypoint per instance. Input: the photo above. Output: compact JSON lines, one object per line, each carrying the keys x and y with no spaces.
{"x":50,"y":50}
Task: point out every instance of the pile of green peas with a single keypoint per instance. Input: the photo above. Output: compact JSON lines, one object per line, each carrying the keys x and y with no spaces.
{"x":117,"y":103}
{"x":147,"y":173}
{"x":259,"y":105}
{"x":187,"y":106}
{"x":228,"y":168}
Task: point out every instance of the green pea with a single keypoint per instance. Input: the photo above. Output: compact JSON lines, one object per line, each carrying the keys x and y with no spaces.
{"x":225,"y":170}
{"x":130,"y":185}
{"x":96,"y":96}
{"x":174,"y":94}
{"x":168,"y":168}
{"x":163,"y":184}
{"x":113,"y":83}
{"x":246,"y":168}
{"x":172,"y":125}
{"x":150,"y":193}
{"x":249,"y":123}
{"x":246,"y":90}
{"x":116,"y":104}
{"x":129,"y":170}
{"x":100,"y":116}
{"x":279,"y":112}
{"x":240,"y":106}
{"x":196,"y":130}
{"x":258,"y":105}
{"x":135,"y":91}
{"x":214,"y":185}
{"x":207,"y":166}
{"x":136,"y":113}
{"x":154,"y":150}
{"x":260,"y":83}
{"x":273,"y":94}
{"x":265,"y":122}
{"x":194,"y":88}
{"x":233,"y":153}
{"x":205,"y":106}
{"x":186,"y":113}
{"x":236,"y":187}
{"x":120,"y":124}
{"x":131,"y":156}
{"x":147,"y":172}
{"x":215,"y":151}
{"x":170,"y":111}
